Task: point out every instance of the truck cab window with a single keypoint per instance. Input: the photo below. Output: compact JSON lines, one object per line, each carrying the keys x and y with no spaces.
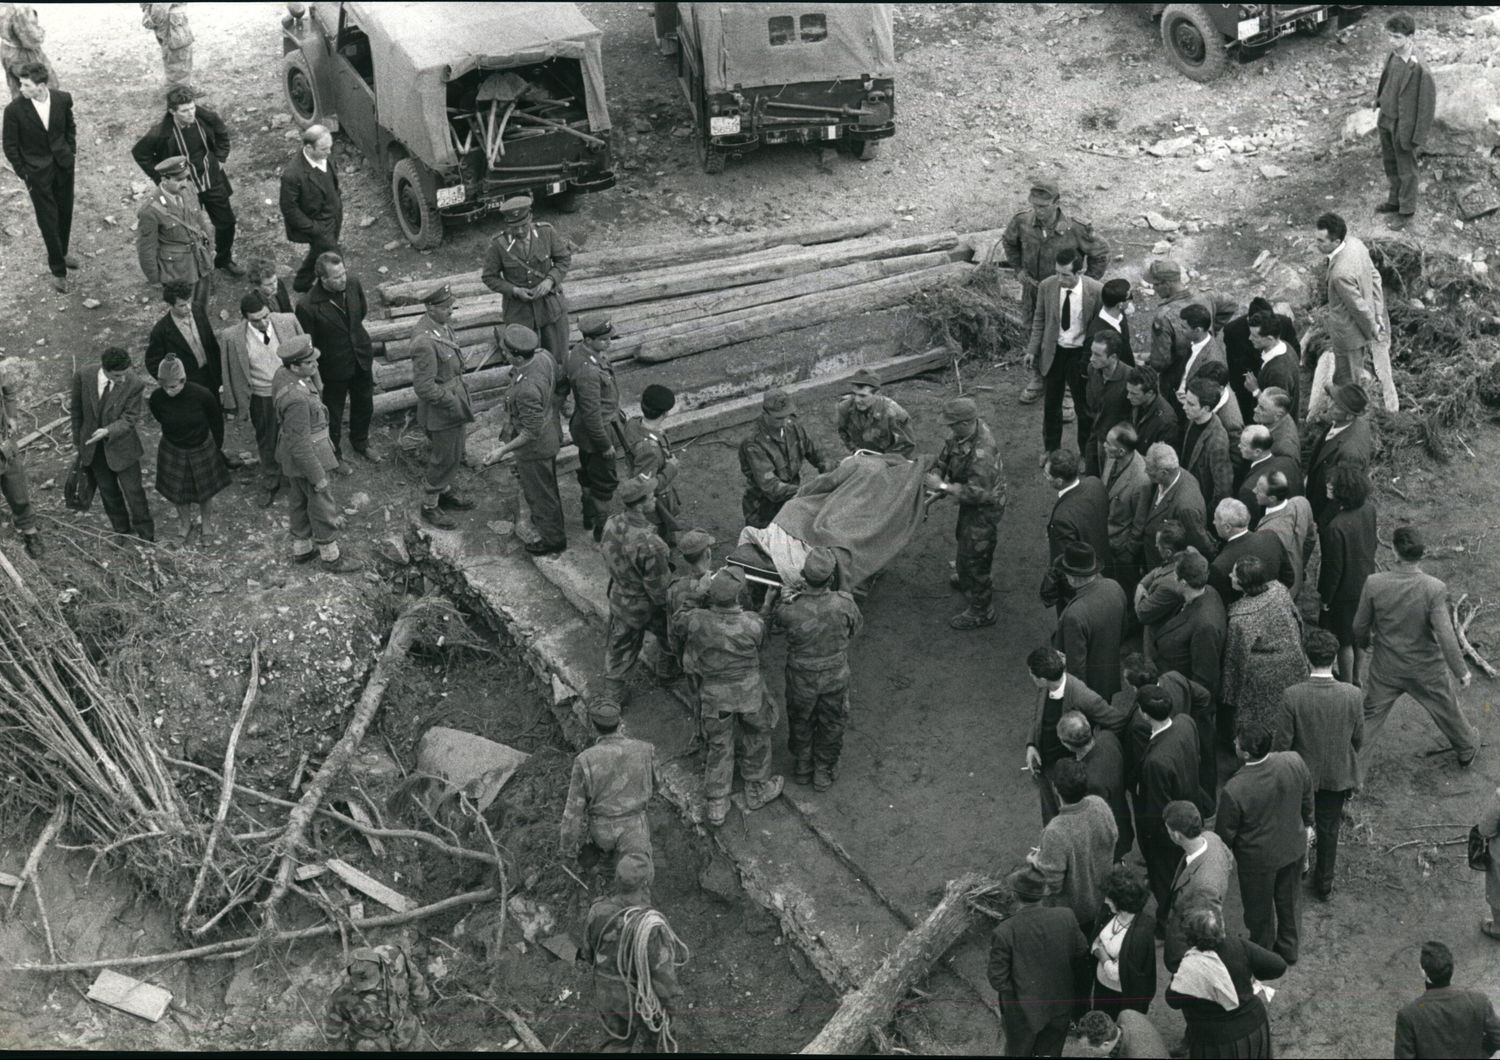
{"x":814,"y":28}
{"x":354,"y":45}
{"x":783,"y":30}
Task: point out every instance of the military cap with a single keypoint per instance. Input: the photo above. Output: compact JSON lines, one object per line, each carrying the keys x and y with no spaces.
{"x":442,"y":294}
{"x":778,"y":400}
{"x":657,"y":399}
{"x":819,"y":566}
{"x":518,"y":338}
{"x":636,"y":489}
{"x":864,"y":377}
{"x":175,"y":166}
{"x":724,"y":588}
{"x":515,"y":208}
{"x":1164,"y":269}
{"x":634,"y":871}
{"x":364,"y":968}
{"x":604,"y":712}
{"x":595,"y":325}
{"x":1026,"y":887}
{"x":1079,"y":559}
{"x":296,"y":349}
{"x":959,"y":410}
{"x":694,"y":543}
{"x":1352,"y":397}
{"x":1045,"y":189}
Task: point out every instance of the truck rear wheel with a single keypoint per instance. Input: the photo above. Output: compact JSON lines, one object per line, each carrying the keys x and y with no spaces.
{"x":301,"y":90}
{"x":416,"y":207}
{"x":1193,"y":45}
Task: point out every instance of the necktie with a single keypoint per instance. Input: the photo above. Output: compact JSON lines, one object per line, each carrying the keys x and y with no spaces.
{"x":1067,"y":309}
{"x":109,"y":386}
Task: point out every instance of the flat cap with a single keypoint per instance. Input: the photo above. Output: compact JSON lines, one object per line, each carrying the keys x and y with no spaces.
{"x":694,"y":543}
{"x":657,"y":399}
{"x":864,"y":377}
{"x":634,"y":871}
{"x":1351,"y":396}
{"x":1164,"y":269}
{"x":442,"y":294}
{"x":518,"y":338}
{"x":724,"y":588}
{"x":604,"y":712}
{"x":636,"y":489}
{"x":778,"y":400}
{"x":1045,"y":188}
{"x":595,"y":325}
{"x":959,"y":410}
{"x":296,"y":349}
{"x":515,"y":208}
{"x":819,"y":566}
{"x":172,"y":167}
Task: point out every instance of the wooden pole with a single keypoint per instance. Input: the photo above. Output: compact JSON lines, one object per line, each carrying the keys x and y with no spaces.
{"x":397,"y":400}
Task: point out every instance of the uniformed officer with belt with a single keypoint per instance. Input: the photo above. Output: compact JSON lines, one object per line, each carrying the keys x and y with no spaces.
{"x":173,"y":238}
{"x":526,"y":263}
{"x":597,"y":423}
{"x":437,"y":373}
{"x":536,"y":435}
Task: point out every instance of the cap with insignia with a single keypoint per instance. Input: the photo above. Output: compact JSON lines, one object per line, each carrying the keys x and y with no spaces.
{"x":959,"y":410}
{"x":865,"y":377}
{"x":296,"y":349}
{"x":819,"y":566}
{"x":776,"y":401}
{"x":694,"y":543}
{"x":604,"y":712}
{"x":440,"y":295}
{"x":1044,"y":190}
{"x":636,"y":489}
{"x":724,"y":589}
{"x":175,"y":166}
{"x":518,"y":338}
{"x":595,"y":326}
{"x":516,"y":208}
{"x":1164,"y":269}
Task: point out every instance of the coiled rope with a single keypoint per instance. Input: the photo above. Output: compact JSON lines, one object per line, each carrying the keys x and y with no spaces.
{"x":633,"y":963}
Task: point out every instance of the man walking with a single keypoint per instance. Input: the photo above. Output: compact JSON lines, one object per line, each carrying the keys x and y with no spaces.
{"x":1446,"y":1021}
{"x":611,"y":785}
{"x":1077,"y":848}
{"x":1355,"y":296}
{"x":250,"y":351}
{"x":13,"y":482}
{"x":1406,"y":98}
{"x":1265,"y":814}
{"x":869,"y":420}
{"x":969,"y":469}
{"x":1403,"y":621}
{"x":173,"y":238}
{"x":1034,"y":957}
{"x":333,"y":315}
{"x":771,"y":459}
{"x":597,"y":424}
{"x":199,"y":135}
{"x":531,"y":404}
{"x":1065,"y":302}
{"x":41,"y":142}
{"x":637,"y":561}
{"x":106,"y":413}
{"x":526,"y":263}
{"x":312,"y":207}
{"x":443,"y":407}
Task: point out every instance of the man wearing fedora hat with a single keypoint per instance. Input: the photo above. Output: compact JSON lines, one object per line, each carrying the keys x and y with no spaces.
{"x":443,"y":408}
{"x":1034,"y":955}
{"x":648,"y":453}
{"x":1088,"y":631}
{"x":597,"y":423}
{"x":868,"y":419}
{"x":526,"y":264}
{"x":1345,"y":438}
{"x":970,"y":470}
{"x":173,"y":238}
{"x":531,"y":404}
{"x":771,"y":458}
{"x":638,"y":565}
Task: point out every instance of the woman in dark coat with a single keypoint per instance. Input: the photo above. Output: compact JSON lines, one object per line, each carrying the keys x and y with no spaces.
{"x":190,"y":469}
{"x":1349,"y":542}
{"x":1125,"y":949}
{"x":1214,"y":989}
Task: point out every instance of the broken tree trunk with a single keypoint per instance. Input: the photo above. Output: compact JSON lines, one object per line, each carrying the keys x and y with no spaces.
{"x":869,"y":1009}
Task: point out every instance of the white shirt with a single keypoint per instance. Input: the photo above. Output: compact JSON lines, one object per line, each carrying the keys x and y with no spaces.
{"x":1197,"y":348}
{"x":1162,"y":491}
{"x":1115,"y":321}
{"x":321,"y":165}
{"x":1062,"y":686}
{"x":1275,"y":508}
{"x":103,"y":382}
{"x":1262,"y":460}
{"x":261,"y":351}
{"x":44,"y":110}
{"x":1267,"y":356}
{"x":1235,"y":537}
{"x":1334,"y":251}
{"x":1223,"y":400}
{"x":1188,"y":859}
{"x":1070,"y":486}
{"x":1072,"y":336}
{"x":1334,"y":432}
{"x":1159,"y":731}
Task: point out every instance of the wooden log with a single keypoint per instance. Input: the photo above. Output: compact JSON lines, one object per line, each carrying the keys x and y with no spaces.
{"x":868,"y":1010}
{"x":602,"y":261}
{"x":397,"y":400}
{"x":393,"y":375}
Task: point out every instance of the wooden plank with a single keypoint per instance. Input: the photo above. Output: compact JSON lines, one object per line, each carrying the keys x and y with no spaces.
{"x":370,"y":886}
{"x":308,"y":872}
{"x":7,"y":880}
{"x":130,"y":995}
{"x":357,"y":811}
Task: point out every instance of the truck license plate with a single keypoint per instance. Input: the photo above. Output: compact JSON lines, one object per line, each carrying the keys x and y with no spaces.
{"x":830,"y":132}
{"x":555,"y":188}
{"x":724,"y":125}
{"x":450,"y":196}
{"x":1248,"y":28}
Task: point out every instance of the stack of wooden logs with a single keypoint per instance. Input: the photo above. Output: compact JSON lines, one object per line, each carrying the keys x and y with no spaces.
{"x":671,"y":300}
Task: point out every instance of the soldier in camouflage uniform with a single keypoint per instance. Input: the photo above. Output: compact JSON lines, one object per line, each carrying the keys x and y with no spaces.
{"x":771,"y":459}
{"x":869,"y":420}
{"x":969,"y":468}
{"x":1170,"y":344}
{"x":597,"y":424}
{"x":819,"y":623}
{"x":638,"y":570}
{"x":170,"y":24}
{"x":721,"y":644}
{"x":1031,"y":242}
{"x":526,"y":263}
{"x":648,"y":453}
{"x":611,"y":784}
{"x":375,"y":1010}
{"x":13,"y":482}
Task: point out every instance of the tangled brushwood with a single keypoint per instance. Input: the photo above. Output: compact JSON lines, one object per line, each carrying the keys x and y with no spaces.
{"x":973,"y":316}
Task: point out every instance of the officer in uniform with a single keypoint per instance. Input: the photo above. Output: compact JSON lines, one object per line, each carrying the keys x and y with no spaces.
{"x":1171,"y":345}
{"x":638,"y":566}
{"x":531,"y":403}
{"x":969,"y":469}
{"x":648,"y":453}
{"x":819,"y":623}
{"x":13,"y":482}
{"x":375,"y":1010}
{"x":721,"y":643}
{"x":437,"y":374}
{"x":1031,"y":242}
{"x":526,"y":263}
{"x":868,"y":419}
{"x":612,"y":782}
{"x":173,"y":238}
{"x":771,"y":459}
{"x":597,"y":424}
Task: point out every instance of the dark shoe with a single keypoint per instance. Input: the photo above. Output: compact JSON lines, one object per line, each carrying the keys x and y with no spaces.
{"x":1322,"y":894}
{"x":232,"y":268}
{"x":598,"y":532}
{"x":72,"y":262}
{"x":1032,"y":394}
{"x":969,"y":619}
{"x":344,"y":469}
{"x":343,"y":565}
{"x":588,"y":519}
{"x":367,"y":455}
{"x":541,"y":548}
{"x":822,"y":778}
{"x":455,"y":502}
{"x":438,"y":518}
{"x":35,"y":547}
{"x":267,"y":497}
{"x":758,"y":795}
{"x":1388,"y":207}
{"x":304,"y":557}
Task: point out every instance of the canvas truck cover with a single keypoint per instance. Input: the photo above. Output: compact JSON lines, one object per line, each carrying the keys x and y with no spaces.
{"x":418,"y":47}
{"x":735,"y":40}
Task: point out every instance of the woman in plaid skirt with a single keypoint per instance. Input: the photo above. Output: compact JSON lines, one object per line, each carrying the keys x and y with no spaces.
{"x":190,"y":469}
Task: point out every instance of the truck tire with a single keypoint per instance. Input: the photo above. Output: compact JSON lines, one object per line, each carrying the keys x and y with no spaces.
{"x":665,"y":17}
{"x":416,"y":208}
{"x":865,"y":150}
{"x":1192,"y":43}
{"x":301,"y":90}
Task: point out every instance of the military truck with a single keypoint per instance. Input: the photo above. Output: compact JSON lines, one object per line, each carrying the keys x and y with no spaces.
{"x":758,"y":74}
{"x":463,"y":105}
{"x":1200,"y":38}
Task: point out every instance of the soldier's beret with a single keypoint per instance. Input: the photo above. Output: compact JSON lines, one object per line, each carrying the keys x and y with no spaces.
{"x":595,"y":325}
{"x":518,"y":338}
{"x":442,"y":294}
{"x":819,"y":566}
{"x":1351,"y":396}
{"x":657,"y":399}
{"x":694,"y":543}
{"x":636,"y":489}
{"x":864,"y":377}
{"x":959,"y":410}
{"x":634,"y":871}
{"x":296,"y":349}
{"x":778,"y":400}
{"x":604,"y":712}
{"x":172,"y":167}
{"x":1164,"y":269}
{"x":515,"y":208}
{"x":1045,"y":188}
{"x":724,"y":588}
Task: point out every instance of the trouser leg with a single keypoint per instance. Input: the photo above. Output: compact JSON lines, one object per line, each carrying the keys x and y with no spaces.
{"x":1401,"y":173}
{"x":1258,"y":895}
{"x":17,"y":492}
{"x":554,"y":338}
{"x":109,"y":493}
{"x":1380,"y":697}
{"x":267,"y":427}
{"x":622,"y":646}
{"x":830,"y":717}
{"x":718,"y":755}
{"x":1160,"y":855}
{"x":220,"y":213}
{"x":1020,"y":1039}
{"x":597,"y":481}
{"x":335,"y":394}
{"x":1054,"y":386}
{"x":361,"y":407}
{"x":298,"y":492}
{"x":1078,"y":384}
{"x":1208,"y":754}
{"x":445,"y":451}
{"x":753,"y":731}
{"x":62,"y":193}
{"x":800,"y":703}
{"x":1328,"y":814}
{"x":177,"y":63}
{"x":539,"y":484}
{"x":1392,"y":169}
{"x":975,"y":535}
{"x":1437,"y":694}
{"x":131,"y":512}
{"x":1288,"y":902}
{"x":43,"y":189}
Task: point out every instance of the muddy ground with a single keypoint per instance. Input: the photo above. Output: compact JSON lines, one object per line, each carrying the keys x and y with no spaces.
{"x":932,"y":783}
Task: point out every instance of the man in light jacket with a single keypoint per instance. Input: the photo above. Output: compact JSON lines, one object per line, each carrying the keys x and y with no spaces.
{"x":250,"y":359}
{"x":1356,"y":300}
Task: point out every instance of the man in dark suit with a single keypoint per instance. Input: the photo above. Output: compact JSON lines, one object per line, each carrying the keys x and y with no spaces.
{"x":1407,"y":98}
{"x":1261,"y":462}
{"x":1168,"y":771}
{"x":1347,"y":438}
{"x":1089,"y":628}
{"x":1080,"y":513}
{"x":40,"y":142}
{"x":312,"y":206}
{"x":1113,"y":317}
{"x":1242,"y":356}
{"x":185,"y":330}
{"x":1265,"y":814}
{"x":1445,"y":1020}
{"x":1191,"y":642}
{"x":1174,"y":495}
{"x":1035,"y":954}
{"x":1065,"y":303}
{"x":1202,"y":877}
{"x":106,"y":410}
{"x":333,"y":313}
{"x":1124,"y":476}
{"x":1277,"y":367}
{"x":1103,"y":760}
{"x":1151,"y":415}
{"x":1273,"y":410}
{"x":1058,"y":692}
{"x":1205,"y":442}
{"x":1108,"y":403}
{"x":1232,"y":524}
